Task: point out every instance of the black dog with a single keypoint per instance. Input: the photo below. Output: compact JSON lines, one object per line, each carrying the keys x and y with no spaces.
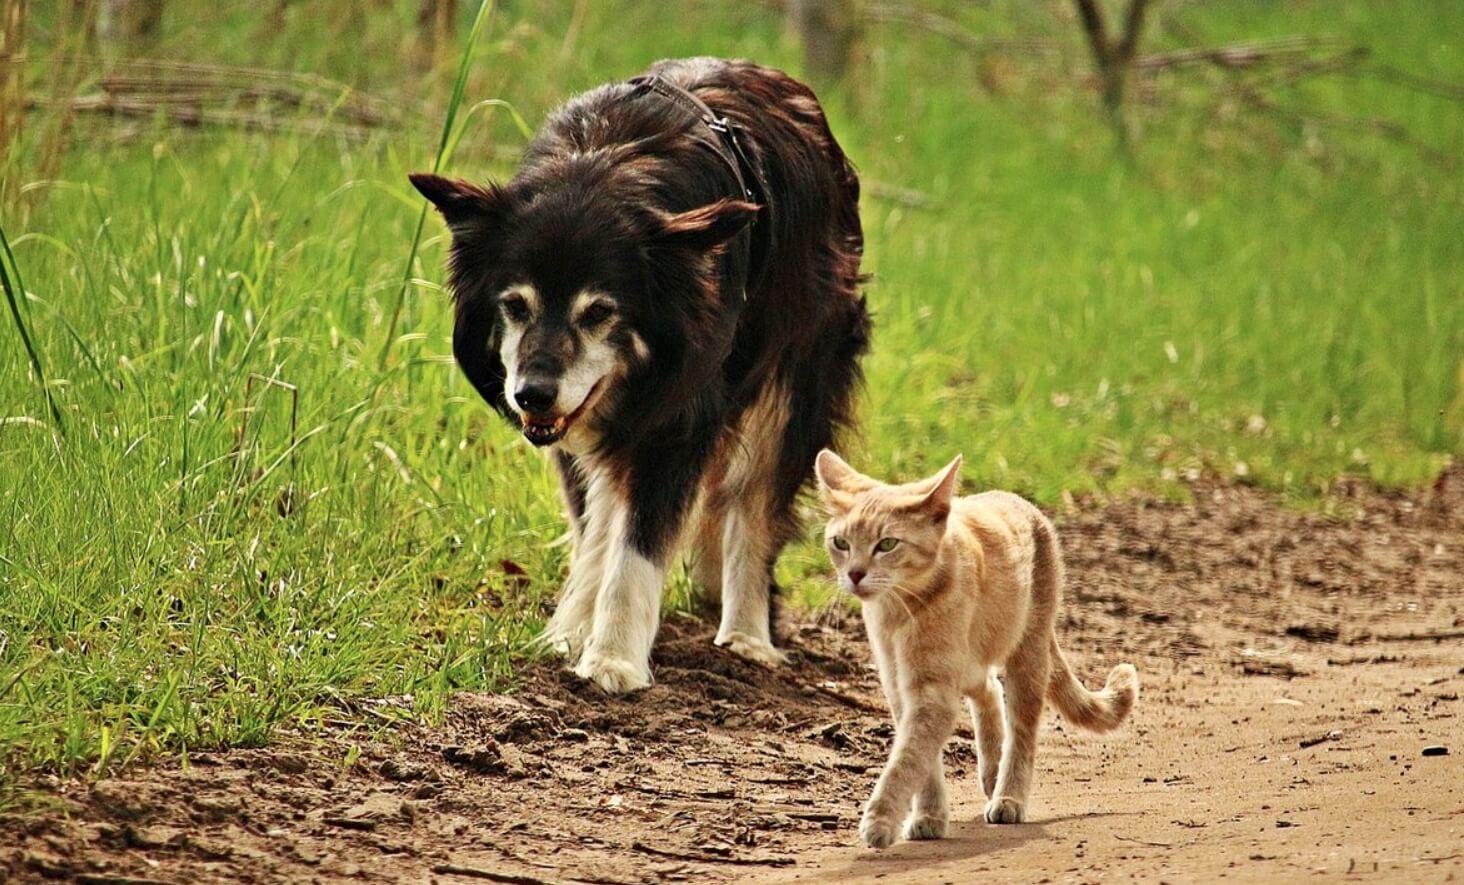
{"x":666,"y":294}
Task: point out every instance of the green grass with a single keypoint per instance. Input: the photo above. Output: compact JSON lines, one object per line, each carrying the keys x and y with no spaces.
{"x":1274,"y":302}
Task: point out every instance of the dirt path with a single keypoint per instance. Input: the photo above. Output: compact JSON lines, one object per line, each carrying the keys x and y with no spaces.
{"x":1294,"y":669}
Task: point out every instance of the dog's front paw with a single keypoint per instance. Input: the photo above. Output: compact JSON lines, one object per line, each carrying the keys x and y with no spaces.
{"x":612,"y":674}
{"x":1004,"y":810}
{"x":753,"y":649}
{"x":925,"y":826}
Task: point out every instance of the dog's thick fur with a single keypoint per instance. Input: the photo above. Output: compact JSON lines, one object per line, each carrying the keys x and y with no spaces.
{"x":687,"y":353}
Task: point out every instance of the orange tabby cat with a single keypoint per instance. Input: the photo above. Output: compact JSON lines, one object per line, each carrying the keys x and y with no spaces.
{"x":955,"y":590}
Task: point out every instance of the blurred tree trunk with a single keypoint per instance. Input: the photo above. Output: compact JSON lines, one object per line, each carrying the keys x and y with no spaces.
{"x":436,"y":23}
{"x":76,"y":38}
{"x":828,"y":30}
{"x":1113,"y":57}
{"x":135,"y":23}
{"x":84,"y":24}
{"x":12,"y":81}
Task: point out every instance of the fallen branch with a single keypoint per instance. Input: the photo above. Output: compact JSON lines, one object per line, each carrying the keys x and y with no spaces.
{"x":1237,"y":55}
{"x":453,"y":869}
{"x":1425,"y":636}
{"x":1340,"y":61}
{"x":1437,"y":88}
{"x":1389,"y":129}
{"x":884,"y":13}
{"x":848,"y":700}
{"x":698,"y":857}
{"x":191,"y":114}
{"x":1143,"y":841}
{"x":192,"y":71}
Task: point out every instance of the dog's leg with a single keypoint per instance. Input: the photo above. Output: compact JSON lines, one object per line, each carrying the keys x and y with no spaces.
{"x":704,"y":557}
{"x":651,"y":494}
{"x":751,"y":532}
{"x":627,"y":611}
{"x":573,"y":618}
{"x":747,"y":542}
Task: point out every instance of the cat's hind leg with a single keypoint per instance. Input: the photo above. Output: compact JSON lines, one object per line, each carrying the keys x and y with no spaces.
{"x":984,"y":702}
{"x":1024,"y":690}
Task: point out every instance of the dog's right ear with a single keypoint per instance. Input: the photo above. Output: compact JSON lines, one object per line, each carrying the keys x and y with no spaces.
{"x":464,"y":205}
{"x":709,"y":226}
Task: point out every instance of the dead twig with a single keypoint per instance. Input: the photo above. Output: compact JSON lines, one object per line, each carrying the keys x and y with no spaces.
{"x":1425,"y":636}
{"x":455,"y":869}
{"x":885,"y":13}
{"x":191,"y":114}
{"x":848,"y":700}
{"x":1313,"y":67}
{"x":1389,"y":129}
{"x":1237,"y":55}
{"x":1144,"y":841}
{"x":698,"y":857}
{"x":1437,"y":88}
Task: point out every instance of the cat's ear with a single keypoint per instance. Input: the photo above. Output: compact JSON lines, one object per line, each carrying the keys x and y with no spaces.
{"x":937,"y":502}
{"x":837,"y":478}
{"x":831,"y":470}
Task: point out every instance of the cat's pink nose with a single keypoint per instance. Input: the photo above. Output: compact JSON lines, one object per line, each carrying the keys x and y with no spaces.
{"x":856,"y":577}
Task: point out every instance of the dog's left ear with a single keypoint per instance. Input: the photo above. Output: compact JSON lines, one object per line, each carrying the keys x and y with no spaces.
{"x":463,"y":205}
{"x":707,"y":227}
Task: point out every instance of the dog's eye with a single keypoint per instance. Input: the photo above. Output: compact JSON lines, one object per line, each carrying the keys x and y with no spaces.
{"x":839,"y":544}
{"x":885,"y":545}
{"x":516,"y":309}
{"x":595,"y":315}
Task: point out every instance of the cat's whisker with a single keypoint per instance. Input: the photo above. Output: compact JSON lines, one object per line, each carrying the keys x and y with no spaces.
{"x":900,"y":595}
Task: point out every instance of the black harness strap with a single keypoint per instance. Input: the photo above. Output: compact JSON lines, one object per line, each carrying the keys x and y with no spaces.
{"x":726,"y":131}
{"x":727,"y":146}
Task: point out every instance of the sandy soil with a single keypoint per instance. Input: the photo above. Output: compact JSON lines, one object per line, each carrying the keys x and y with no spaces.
{"x":1294,"y":669}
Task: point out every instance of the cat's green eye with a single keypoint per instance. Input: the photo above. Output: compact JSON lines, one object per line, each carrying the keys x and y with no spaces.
{"x":885,"y":545}
{"x":840,"y":544}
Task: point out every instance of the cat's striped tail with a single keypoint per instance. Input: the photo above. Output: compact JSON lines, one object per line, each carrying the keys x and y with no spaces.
{"x":1094,"y":710}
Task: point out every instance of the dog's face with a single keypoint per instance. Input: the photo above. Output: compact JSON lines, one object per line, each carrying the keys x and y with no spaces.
{"x":564,"y":295}
{"x":561,"y":354}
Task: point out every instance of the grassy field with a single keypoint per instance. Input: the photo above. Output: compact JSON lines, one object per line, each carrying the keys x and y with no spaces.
{"x":202,"y":558}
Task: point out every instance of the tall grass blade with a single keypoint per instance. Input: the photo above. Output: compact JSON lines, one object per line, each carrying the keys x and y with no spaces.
{"x":8,"y":267}
{"x":459,"y":86}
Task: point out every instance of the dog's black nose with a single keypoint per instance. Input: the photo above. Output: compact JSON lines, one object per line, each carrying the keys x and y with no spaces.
{"x":536,"y":396}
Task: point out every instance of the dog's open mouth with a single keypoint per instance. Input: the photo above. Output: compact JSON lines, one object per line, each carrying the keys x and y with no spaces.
{"x":544,"y":430}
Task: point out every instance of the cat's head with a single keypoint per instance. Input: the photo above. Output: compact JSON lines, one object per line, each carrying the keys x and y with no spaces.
{"x":883,"y":538}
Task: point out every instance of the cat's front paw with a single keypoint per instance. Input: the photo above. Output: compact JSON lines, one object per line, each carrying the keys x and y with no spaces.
{"x":753,"y":649}
{"x":925,"y":826}
{"x":1004,"y":810}
{"x":877,"y":831}
{"x":614,"y":675}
